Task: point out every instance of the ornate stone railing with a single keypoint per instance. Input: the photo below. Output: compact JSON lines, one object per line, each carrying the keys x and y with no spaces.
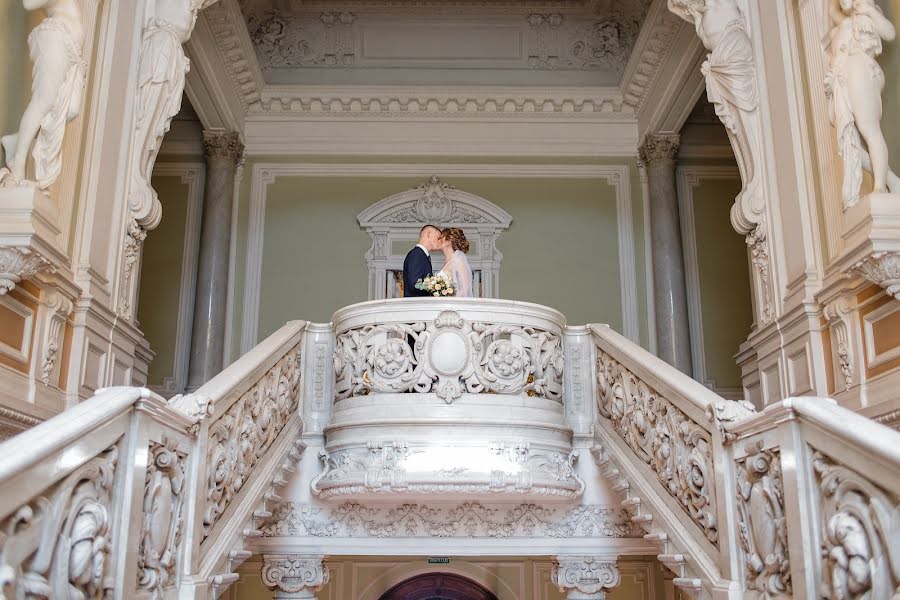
{"x":127,"y":495}
{"x":448,"y":347}
{"x":731,"y":493}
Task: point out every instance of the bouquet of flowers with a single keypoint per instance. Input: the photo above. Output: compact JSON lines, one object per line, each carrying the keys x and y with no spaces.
{"x":437,"y":284}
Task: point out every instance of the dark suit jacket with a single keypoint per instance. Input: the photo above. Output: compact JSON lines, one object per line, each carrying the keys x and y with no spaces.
{"x":416,"y":266}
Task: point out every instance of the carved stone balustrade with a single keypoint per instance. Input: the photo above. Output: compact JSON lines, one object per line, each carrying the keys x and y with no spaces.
{"x":448,"y":396}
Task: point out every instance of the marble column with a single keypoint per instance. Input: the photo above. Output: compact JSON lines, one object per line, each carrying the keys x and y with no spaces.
{"x":673,"y":342}
{"x":294,"y":576}
{"x":224,"y":151}
{"x":585,"y":577}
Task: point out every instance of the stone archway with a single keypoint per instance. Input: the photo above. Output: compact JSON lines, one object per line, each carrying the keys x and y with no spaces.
{"x":438,"y":586}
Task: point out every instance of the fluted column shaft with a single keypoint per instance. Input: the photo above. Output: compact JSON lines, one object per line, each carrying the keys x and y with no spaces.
{"x":223,"y":153}
{"x":673,"y":342}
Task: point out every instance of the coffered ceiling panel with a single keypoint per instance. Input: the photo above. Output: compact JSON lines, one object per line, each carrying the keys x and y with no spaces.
{"x":430,"y":42}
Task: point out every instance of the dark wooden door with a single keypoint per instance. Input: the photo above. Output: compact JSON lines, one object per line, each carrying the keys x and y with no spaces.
{"x":438,"y":586}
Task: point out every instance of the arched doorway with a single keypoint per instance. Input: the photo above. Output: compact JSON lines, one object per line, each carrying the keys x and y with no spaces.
{"x":438,"y":586}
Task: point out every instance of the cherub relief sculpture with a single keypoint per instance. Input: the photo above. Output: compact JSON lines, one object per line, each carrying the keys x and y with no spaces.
{"x":731,"y":85}
{"x":58,"y":79}
{"x":853,"y":86}
{"x":161,"y":77}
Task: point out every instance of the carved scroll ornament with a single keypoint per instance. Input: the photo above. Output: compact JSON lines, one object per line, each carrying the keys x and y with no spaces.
{"x":675,"y":447}
{"x":449,"y":356}
{"x":57,"y":545}
{"x":240,"y":437}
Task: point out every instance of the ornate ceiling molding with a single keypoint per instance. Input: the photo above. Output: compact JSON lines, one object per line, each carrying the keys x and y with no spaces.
{"x":236,"y":50}
{"x":657,"y":35}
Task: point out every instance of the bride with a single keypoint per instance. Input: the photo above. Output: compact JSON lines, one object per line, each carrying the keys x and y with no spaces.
{"x":455,"y":245}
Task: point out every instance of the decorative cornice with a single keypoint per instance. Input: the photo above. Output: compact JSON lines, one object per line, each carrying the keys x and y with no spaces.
{"x":223,"y":146}
{"x":659,"y":30}
{"x":18,"y":263}
{"x":659,"y":149}
{"x":236,"y":51}
{"x":381,"y":101}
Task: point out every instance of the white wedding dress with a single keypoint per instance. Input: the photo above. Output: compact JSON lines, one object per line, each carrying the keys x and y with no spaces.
{"x":459,"y":270}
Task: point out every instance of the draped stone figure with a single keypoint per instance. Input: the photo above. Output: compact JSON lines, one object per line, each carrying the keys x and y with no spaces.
{"x":58,"y":79}
{"x":161,"y":78}
{"x":853,"y":85}
{"x":731,"y":85}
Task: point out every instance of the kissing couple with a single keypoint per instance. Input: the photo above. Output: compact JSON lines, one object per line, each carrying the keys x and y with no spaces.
{"x":417,"y":265}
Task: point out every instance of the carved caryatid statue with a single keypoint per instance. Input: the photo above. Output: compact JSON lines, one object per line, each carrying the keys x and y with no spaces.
{"x":853,"y":86}
{"x":731,"y":85}
{"x":58,"y":79}
{"x":168,"y":25}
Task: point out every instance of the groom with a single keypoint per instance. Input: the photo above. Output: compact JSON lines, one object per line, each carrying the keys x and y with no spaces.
{"x":418,"y":261}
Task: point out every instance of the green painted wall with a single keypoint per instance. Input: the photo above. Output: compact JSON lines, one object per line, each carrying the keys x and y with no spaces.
{"x":563,"y":230}
{"x":160,"y":283}
{"x":15,"y":66}
{"x":724,"y":279}
{"x":890,"y":62}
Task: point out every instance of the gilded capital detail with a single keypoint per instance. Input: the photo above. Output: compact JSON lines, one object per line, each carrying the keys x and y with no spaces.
{"x":657,"y":149}
{"x":223,"y":146}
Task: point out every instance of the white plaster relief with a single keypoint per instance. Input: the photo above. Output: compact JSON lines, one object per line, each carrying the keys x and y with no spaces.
{"x":17,"y":263}
{"x":881,"y":268}
{"x":589,"y":576}
{"x":58,"y":79}
{"x":466,"y":520}
{"x":58,"y":308}
{"x":839,"y":314}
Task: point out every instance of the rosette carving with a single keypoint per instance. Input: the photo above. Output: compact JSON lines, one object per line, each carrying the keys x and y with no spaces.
{"x":242,"y":435}
{"x":674,"y":446}
{"x":448,"y":356}
{"x":163,"y":520}
{"x":763,"y":528}
{"x":56,"y":546}
{"x":859,"y":528}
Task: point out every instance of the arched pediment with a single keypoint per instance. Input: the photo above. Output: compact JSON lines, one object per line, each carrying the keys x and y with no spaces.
{"x":394,"y":223}
{"x":437,"y":203}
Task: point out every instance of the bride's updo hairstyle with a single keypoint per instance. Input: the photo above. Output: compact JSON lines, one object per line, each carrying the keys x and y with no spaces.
{"x":457,"y":239}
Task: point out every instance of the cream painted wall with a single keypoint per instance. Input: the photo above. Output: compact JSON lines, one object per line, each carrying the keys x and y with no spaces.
{"x":724,"y":279}
{"x":160,"y":284}
{"x":367,"y":578}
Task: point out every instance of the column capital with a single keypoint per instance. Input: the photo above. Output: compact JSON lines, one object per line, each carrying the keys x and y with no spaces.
{"x":585,"y":577}
{"x":294,"y":575}
{"x":659,"y":148}
{"x":225,"y":145}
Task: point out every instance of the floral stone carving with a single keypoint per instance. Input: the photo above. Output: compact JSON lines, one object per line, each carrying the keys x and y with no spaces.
{"x":17,"y":264}
{"x":57,"y":545}
{"x":294,"y":573}
{"x":763,"y":528}
{"x":163,"y":519}
{"x":505,"y":468}
{"x":449,"y":356}
{"x":675,"y":447}
{"x":242,"y":435}
{"x":882,"y":268}
{"x":859,"y":529}
{"x":467,"y":520}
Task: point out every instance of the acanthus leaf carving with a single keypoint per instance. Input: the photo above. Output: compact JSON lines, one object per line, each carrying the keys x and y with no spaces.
{"x":467,"y":520}
{"x":18,"y":263}
{"x":838,"y":315}
{"x":240,"y":437}
{"x":881,"y":268}
{"x":58,"y":310}
{"x":134,"y":240}
{"x":762,"y":523}
{"x":448,"y":356}
{"x":677,"y":449}
{"x":859,"y":532}
{"x":163,"y":517}
{"x":57,"y":545}
{"x":294,"y":573}
{"x":587,"y":575}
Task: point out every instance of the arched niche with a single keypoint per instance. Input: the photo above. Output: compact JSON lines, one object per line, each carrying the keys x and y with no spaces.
{"x":394,"y":223}
{"x":438,"y":586}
